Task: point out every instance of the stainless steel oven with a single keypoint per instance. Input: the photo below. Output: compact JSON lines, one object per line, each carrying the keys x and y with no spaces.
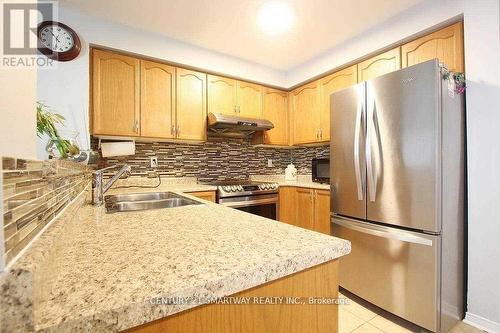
{"x":259,"y":198}
{"x":265,"y":205}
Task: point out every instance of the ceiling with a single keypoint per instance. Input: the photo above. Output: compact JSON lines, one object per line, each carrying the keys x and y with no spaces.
{"x":229,"y":26}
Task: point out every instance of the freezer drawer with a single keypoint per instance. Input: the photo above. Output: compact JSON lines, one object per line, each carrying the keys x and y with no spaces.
{"x":394,"y":269}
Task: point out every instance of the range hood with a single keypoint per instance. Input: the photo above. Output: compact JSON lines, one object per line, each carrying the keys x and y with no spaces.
{"x":224,"y":125}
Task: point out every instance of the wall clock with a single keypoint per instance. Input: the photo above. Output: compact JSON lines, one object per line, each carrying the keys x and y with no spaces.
{"x":58,"y":41}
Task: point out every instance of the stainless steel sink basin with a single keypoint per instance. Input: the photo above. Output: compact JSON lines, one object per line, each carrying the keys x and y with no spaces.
{"x":145,"y":201}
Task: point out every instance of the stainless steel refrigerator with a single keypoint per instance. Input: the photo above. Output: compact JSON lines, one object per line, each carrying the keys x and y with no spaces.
{"x":397,"y":178}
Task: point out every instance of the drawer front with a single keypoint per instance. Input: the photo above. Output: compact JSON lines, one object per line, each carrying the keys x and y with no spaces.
{"x":393,"y":269}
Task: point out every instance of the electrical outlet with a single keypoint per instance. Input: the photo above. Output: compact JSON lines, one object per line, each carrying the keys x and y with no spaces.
{"x":269,"y":163}
{"x":153,"y":161}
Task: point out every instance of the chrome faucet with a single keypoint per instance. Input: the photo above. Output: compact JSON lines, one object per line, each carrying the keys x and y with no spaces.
{"x":98,"y":188}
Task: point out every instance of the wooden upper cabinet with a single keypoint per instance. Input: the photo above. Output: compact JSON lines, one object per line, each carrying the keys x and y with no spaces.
{"x":305,"y":101}
{"x":249,"y":100}
{"x":333,"y":82}
{"x":381,"y":64}
{"x":322,"y":211}
{"x":191,"y":104}
{"x":222,"y":95}
{"x":157,"y":100}
{"x":304,"y":208}
{"x":445,"y":44}
{"x":115,"y":94}
{"x":275,"y":110}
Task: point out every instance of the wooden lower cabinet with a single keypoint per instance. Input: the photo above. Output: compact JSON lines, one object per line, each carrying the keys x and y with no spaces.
{"x":206,"y":195}
{"x":319,"y":282}
{"x":322,"y":211}
{"x":287,"y":204}
{"x":306,"y":208}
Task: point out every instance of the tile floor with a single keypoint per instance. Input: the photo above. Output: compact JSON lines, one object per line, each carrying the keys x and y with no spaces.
{"x":360,"y":316}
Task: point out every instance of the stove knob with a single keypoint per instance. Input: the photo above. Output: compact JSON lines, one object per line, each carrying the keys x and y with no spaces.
{"x":233,"y":188}
{"x":275,"y":186}
{"x":266,"y":186}
{"x":226,"y":188}
{"x":240,"y":188}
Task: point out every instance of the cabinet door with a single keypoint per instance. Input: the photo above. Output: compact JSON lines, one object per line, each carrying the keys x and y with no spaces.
{"x":115,"y":94}
{"x":191,"y":104}
{"x":249,"y":100}
{"x":322,"y":211}
{"x":206,"y":195}
{"x":333,"y":82}
{"x":381,"y":64}
{"x":445,"y":45}
{"x":221,"y":95}
{"x":305,"y":114}
{"x":157,"y":100}
{"x":287,"y":210}
{"x":304,"y":209}
{"x":275,"y":110}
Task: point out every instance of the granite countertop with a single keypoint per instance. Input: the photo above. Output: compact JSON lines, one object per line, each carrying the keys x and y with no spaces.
{"x":181,"y":184}
{"x":113,"y":265}
{"x":302,"y":181}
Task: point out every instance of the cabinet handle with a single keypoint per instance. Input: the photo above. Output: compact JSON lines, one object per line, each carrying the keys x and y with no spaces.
{"x":239,"y":110}
{"x":235,"y":109}
{"x":136,"y":126}
{"x":320,"y":133}
{"x":172,"y":130}
{"x":178,"y":129}
{"x":317,"y":134}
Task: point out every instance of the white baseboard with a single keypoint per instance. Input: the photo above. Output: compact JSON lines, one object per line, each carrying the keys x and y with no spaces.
{"x":482,"y":323}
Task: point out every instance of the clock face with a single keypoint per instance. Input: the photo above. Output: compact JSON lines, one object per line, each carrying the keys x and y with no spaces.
{"x":56,"y":38}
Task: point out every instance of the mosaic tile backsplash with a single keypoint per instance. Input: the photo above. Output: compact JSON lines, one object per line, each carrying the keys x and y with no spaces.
{"x":34,"y":192}
{"x":216,"y":160}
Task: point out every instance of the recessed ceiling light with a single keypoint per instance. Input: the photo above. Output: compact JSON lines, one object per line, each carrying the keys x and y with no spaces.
{"x":275,"y":16}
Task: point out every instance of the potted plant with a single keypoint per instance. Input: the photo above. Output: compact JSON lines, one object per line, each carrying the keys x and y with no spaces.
{"x":57,"y":146}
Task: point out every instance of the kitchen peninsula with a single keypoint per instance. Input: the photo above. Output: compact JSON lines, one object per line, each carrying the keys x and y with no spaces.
{"x":110,"y":272}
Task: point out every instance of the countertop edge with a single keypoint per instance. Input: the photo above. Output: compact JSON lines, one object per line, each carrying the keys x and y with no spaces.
{"x":140,"y":313}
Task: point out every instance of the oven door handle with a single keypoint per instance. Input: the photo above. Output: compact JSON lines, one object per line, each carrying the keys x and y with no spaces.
{"x":238,"y":204}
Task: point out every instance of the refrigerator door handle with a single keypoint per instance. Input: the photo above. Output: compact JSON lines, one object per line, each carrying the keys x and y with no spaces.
{"x":357,"y":167}
{"x":381,"y":231}
{"x":372,"y":180}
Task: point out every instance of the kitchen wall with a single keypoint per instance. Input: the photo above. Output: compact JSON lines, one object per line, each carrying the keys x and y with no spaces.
{"x":216,"y":160}
{"x":34,"y":193}
{"x":17,"y":107}
{"x":482,"y":67}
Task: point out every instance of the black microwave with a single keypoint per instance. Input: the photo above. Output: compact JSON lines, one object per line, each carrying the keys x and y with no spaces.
{"x":321,"y":170}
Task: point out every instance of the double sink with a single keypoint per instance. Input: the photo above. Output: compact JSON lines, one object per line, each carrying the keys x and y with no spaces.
{"x":145,"y":201}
